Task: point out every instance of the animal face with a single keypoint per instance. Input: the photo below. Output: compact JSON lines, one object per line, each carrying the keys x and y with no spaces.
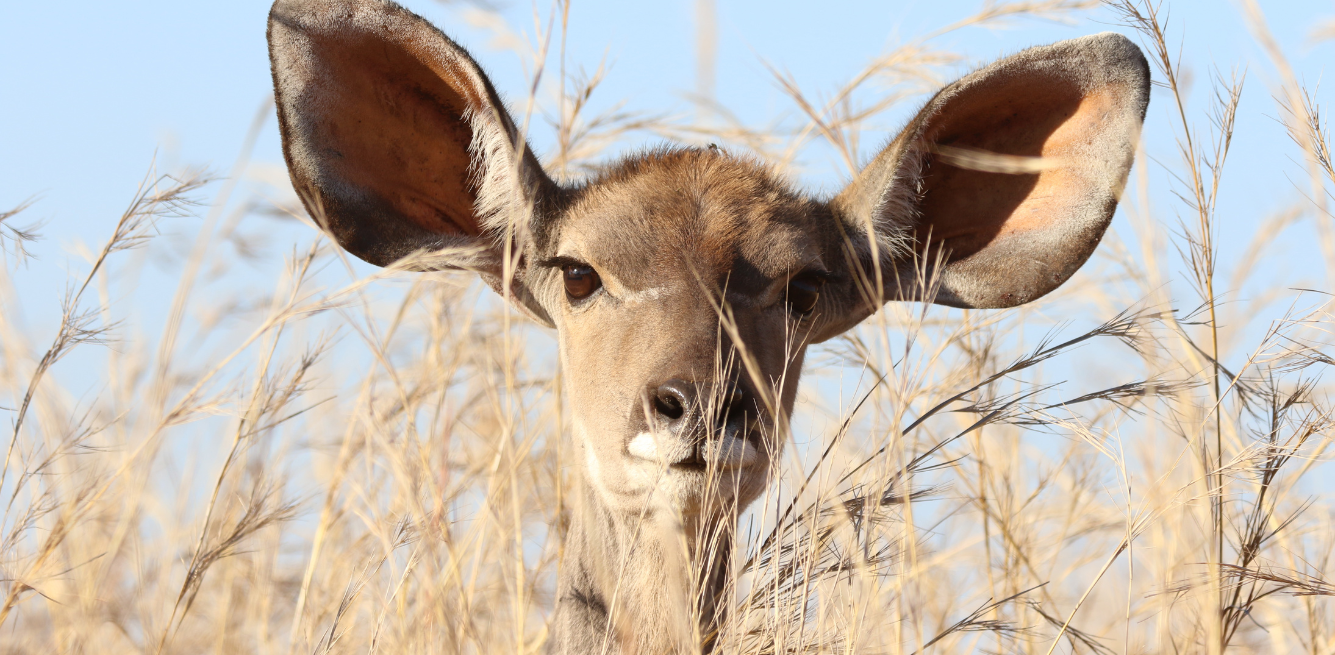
{"x":685,"y":284}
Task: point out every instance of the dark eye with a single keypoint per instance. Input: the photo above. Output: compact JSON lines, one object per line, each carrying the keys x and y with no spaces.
{"x":803,"y":292}
{"x":581,"y":281}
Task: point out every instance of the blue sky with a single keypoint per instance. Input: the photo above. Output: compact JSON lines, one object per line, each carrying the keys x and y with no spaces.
{"x":92,"y":90}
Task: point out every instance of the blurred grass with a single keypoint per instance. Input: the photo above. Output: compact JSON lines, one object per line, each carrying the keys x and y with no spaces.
{"x":376,"y":464}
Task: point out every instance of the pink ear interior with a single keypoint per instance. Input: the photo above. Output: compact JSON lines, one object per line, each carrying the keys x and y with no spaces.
{"x":393,"y":136}
{"x":965,"y":210}
{"x":392,"y":125}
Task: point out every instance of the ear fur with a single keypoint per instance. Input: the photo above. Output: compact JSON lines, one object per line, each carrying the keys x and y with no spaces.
{"x":397,"y":142}
{"x":1002,"y":186}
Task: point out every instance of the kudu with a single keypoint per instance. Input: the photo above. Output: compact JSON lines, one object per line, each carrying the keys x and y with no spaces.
{"x":685,"y":284}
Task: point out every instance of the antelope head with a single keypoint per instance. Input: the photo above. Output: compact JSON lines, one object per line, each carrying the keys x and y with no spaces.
{"x":685,"y":284}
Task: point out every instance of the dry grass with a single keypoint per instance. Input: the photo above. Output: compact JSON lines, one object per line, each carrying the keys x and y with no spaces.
{"x":370,"y":465}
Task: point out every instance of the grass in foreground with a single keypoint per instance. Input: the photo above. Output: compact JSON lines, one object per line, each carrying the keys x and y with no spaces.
{"x":378,"y":465}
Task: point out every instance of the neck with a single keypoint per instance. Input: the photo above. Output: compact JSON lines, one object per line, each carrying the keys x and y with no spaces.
{"x":643,"y":582}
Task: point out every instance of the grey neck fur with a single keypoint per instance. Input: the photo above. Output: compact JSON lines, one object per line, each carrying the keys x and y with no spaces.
{"x":625,"y":579}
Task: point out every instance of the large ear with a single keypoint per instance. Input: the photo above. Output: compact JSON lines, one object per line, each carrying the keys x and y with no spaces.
{"x":396,"y":140}
{"x":1004,"y":183}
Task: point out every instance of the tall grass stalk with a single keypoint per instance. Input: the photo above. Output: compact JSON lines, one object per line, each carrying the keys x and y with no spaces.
{"x":333,"y":461}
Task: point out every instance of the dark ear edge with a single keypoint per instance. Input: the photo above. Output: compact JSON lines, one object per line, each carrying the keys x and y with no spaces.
{"x":1065,"y":119}
{"x":398,"y":144}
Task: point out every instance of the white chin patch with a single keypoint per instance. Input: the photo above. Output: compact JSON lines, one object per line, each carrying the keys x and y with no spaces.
{"x":664,"y":449}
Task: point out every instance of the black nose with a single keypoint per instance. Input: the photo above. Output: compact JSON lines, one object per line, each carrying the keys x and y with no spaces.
{"x":679,"y":403}
{"x":673,"y":399}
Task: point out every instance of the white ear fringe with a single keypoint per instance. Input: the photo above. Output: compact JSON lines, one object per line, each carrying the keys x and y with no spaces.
{"x":497,"y":166}
{"x":896,"y":211}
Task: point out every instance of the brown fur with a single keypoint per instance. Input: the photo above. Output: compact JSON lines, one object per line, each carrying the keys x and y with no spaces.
{"x":398,"y":143}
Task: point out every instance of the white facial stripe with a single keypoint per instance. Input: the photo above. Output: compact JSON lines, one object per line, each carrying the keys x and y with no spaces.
{"x":643,"y":295}
{"x":570,"y":251}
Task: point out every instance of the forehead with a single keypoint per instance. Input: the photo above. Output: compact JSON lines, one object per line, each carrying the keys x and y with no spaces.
{"x":728,"y":218}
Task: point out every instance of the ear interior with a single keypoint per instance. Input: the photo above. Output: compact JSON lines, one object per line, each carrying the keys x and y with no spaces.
{"x":1008,"y":177}
{"x":393,"y":134}
{"x":400,"y":131}
{"x":970,"y":203}
{"x":397,"y":142}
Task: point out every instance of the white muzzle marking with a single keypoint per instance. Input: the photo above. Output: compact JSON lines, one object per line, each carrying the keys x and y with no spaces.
{"x":727,"y":452}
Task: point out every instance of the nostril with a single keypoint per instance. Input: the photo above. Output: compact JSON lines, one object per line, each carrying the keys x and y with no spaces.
{"x":669,"y":403}
{"x":730,"y":406}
